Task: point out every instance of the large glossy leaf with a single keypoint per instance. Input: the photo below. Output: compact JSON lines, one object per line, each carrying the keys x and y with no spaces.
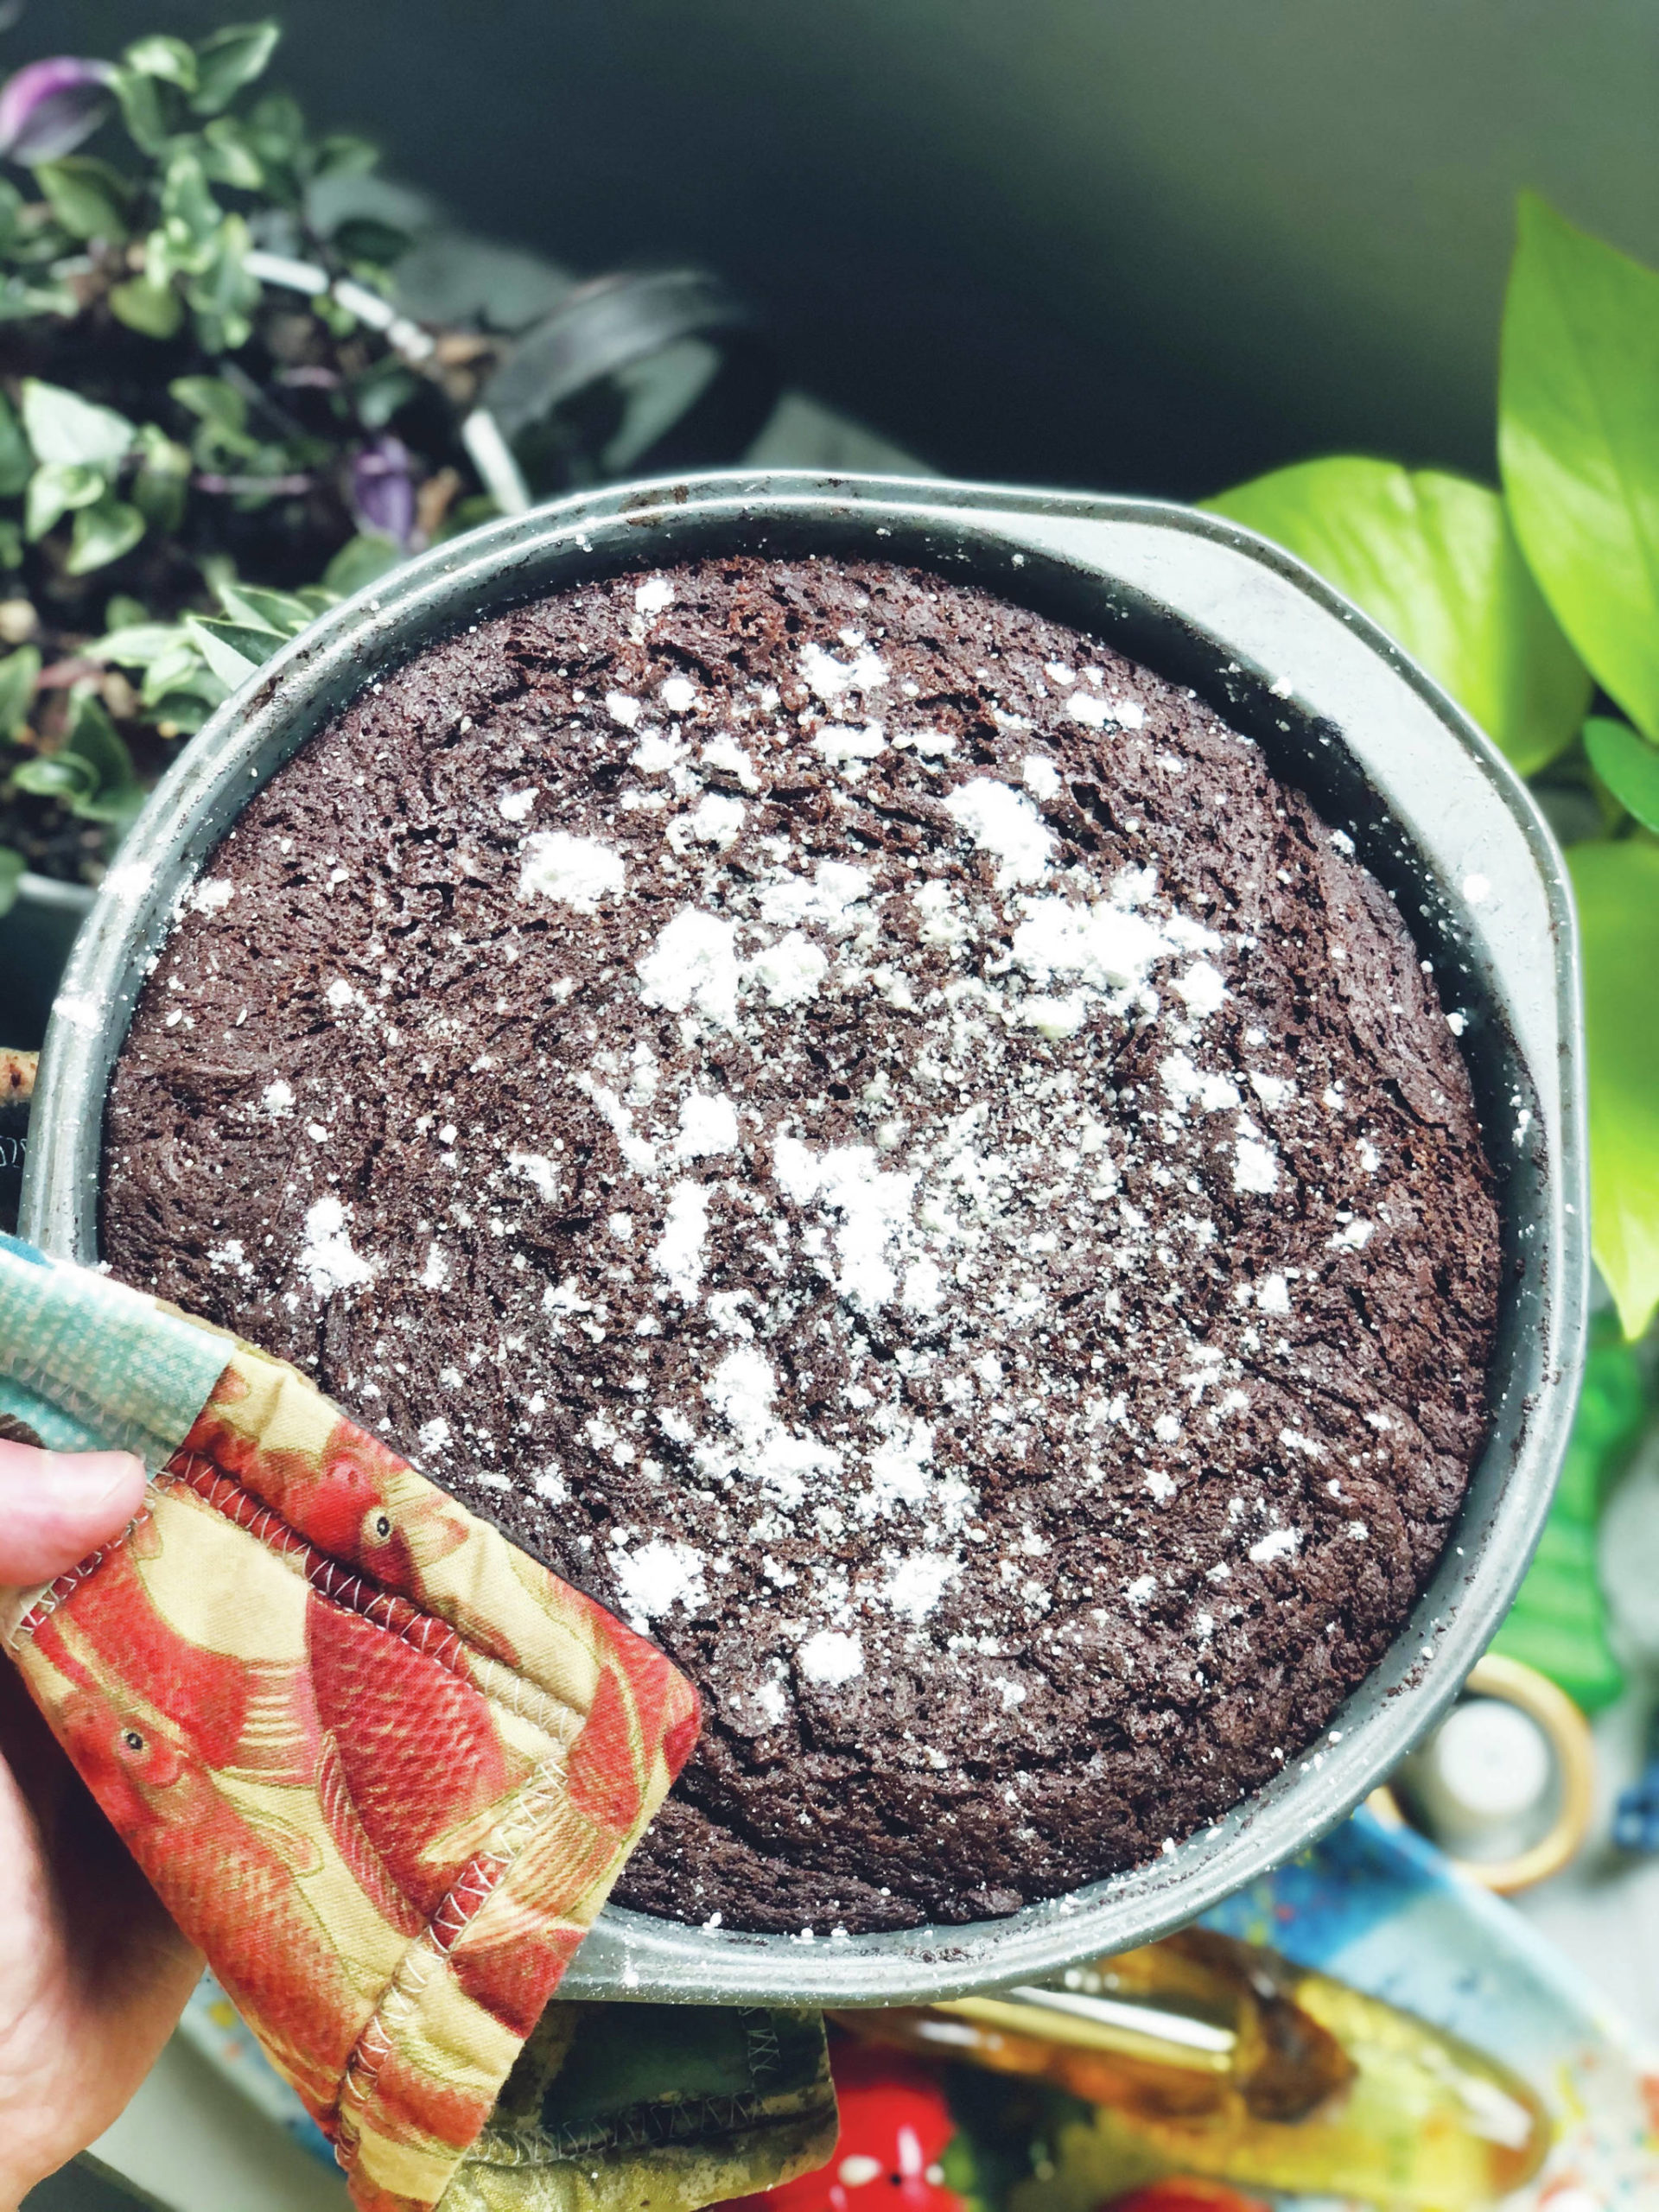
{"x":1578,"y":441}
{"x":1618,"y":888}
{"x":1628,"y":764}
{"x":1432,"y":559}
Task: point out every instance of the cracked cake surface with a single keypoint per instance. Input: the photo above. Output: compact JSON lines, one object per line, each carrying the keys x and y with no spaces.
{"x":873,"y":1134}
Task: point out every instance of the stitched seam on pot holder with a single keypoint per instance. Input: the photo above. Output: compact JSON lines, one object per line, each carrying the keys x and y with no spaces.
{"x":465,"y":1897}
{"x":199,"y":1476}
{"x":59,"y":1590}
{"x":523,"y":1696}
{"x":349,"y":1588}
{"x":359,"y":1594}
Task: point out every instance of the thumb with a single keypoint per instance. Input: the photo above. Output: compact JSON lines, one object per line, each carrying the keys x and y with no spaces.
{"x":57,"y":1506}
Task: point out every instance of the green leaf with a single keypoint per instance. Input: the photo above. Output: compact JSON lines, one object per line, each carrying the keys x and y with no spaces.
{"x":223,"y":657}
{"x":11,"y":543}
{"x":159,"y":496}
{"x":147,"y":109}
{"x":365,"y":238}
{"x":87,"y":196}
{"x":155,"y":310}
{"x":54,"y":775}
{"x":190,"y":215}
{"x":114,"y":793}
{"x":57,"y":488}
{"x":1559,"y":1622}
{"x":158,"y":489}
{"x":172,"y":59}
{"x":62,"y":427}
{"x":282,"y":612}
{"x":1432,"y":559}
{"x":16,"y":462}
{"x":135,"y":645}
{"x":342,"y":155}
{"x":20,"y":302}
{"x":222,"y":412}
{"x":230,"y":59}
{"x":227,"y":157}
{"x":102,"y":533}
{"x":1628,"y":764}
{"x":1578,"y":441}
{"x":276,"y":132}
{"x":252,"y":640}
{"x":378,"y":393}
{"x":12,"y":867}
{"x":180,"y":666}
{"x":222,"y":293}
{"x":219,"y":404}
{"x":360,"y":561}
{"x":18,"y":672}
{"x":183,"y":713}
{"x":1617,"y":884}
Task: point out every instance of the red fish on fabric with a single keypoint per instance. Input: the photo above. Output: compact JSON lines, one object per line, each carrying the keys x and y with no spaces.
{"x":379,"y":1765}
{"x":152,"y":1763}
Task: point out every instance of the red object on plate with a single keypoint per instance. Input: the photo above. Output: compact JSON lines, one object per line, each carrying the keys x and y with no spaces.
{"x":894,"y":2126}
{"x":1184,"y":2197}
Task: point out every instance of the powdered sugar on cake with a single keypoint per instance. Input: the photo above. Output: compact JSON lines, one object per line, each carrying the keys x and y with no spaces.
{"x":805,"y":1110}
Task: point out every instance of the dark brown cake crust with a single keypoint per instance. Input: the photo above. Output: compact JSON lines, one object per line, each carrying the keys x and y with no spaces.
{"x":872,"y":1135}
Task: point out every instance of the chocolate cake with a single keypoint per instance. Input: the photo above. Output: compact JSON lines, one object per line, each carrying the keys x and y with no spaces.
{"x":874,"y":1135}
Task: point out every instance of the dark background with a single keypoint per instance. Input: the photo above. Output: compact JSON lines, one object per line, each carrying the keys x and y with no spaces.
{"x":1145,"y":244}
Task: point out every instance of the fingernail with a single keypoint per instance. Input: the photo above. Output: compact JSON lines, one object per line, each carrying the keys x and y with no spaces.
{"x":87,"y":1480}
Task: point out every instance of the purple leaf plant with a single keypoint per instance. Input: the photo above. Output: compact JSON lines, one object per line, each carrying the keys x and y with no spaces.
{"x":49,"y":107}
{"x":383,"y":491}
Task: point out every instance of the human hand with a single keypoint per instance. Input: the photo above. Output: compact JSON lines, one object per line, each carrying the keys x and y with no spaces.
{"x":93,"y":1973}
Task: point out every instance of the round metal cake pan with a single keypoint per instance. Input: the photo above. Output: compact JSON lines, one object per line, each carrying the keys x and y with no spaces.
{"x":1433,"y":809}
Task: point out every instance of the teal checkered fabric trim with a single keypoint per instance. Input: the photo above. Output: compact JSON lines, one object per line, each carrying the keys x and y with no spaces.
{"x":91,"y":1365}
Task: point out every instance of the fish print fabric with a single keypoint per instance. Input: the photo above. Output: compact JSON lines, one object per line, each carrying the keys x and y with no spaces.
{"x":381,"y":1766}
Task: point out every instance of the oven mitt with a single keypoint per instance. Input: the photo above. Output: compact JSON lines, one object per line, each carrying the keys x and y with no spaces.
{"x":381,"y":1766}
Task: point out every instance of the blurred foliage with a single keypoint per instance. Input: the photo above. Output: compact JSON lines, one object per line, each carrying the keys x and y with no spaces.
{"x":198,"y":382}
{"x":1524,"y":601}
{"x":1558,"y":1621}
